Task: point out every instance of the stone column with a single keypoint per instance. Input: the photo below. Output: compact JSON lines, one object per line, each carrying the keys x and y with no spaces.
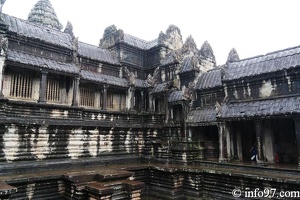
{"x":297,"y":130}
{"x":259,"y":141}
{"x":222,"y":142}
{"x":234,"y":145}
{"x":2,"y":66}
{"x":143,"y":100}
{"x":165,"y":102}
{"x":75,"y":90}
{"x":229,"y":140}
{"x":150,"y":99}
{"x":269,"y":143}
{"x":239,"y":142}
{"x":43,"y":85}
{"x":104,"y":100}
{"x":132,"y":91}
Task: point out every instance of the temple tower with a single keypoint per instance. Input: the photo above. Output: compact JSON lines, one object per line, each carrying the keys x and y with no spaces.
{"x":43,"y":13}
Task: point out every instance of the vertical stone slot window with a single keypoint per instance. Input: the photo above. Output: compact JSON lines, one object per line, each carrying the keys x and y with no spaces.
{"x":21,"y":86}
{"x":53,"y":90}
{"x":87,"y":97}
{"x":110,"y":101}
{"x":116,"y":101}
{"x":123,"y":102}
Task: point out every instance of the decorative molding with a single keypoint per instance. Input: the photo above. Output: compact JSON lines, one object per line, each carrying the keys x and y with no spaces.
{"x":153,"y":80}
{"x":131,"y":77}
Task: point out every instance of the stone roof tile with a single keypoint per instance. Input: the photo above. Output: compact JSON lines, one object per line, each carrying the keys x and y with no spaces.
{"x":40,"y":32}
{"x":267,"y":107}
{"x":95,"y":53}
{"x":187,"y":65}
{"x":139,"y":43}
{"x":202,"y":115}
{"x":271,"y":62}
{"x":209,"y":79}
{"x":140,"y":83}
{"x":102,"y":78}
{"x":175,"y":96}
{"x":162,"y":87}
{"x":41,"y":62}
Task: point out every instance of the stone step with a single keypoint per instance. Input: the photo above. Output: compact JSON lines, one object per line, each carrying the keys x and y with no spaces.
{"x":98,"y":190}
{"x":121,"y":189}
{"x":109,"y":175}
{"x":6,"y":190}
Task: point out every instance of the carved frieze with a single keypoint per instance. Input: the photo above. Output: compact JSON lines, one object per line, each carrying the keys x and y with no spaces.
{"x":188,"y":92}
{"x":153,"y":80}
{"x":218,"y":108}
{"x":131,"y":77}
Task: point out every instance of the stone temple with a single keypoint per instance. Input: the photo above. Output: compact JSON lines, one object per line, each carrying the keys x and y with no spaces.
{"x":136,"y":119}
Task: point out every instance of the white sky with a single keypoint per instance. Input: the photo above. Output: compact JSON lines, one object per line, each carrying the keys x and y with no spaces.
{"x":253,"y":27}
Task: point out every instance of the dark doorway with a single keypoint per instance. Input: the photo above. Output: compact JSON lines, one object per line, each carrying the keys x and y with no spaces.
{"x":285,"y":140}
{"x":248,"y":137}
{"x":208,"y":135}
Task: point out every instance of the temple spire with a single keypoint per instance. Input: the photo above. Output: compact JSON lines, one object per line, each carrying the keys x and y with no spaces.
{"x":43,"y":13}
{"x":233,"y":56}
{"x":206,"y":51}
{"x":69,"y":29}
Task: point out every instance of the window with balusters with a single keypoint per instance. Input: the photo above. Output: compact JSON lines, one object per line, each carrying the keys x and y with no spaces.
{"x":21,"y":86}
{"x":87,"y":97}
{"x":116,"y":101}
{"x":53,"y":90}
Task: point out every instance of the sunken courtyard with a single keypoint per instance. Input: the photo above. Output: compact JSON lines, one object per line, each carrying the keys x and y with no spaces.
{"x":131,"y":119}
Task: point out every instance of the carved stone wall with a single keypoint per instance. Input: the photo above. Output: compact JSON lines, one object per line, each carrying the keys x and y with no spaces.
{"x":263,"y":88}
{"x":40,"y":142}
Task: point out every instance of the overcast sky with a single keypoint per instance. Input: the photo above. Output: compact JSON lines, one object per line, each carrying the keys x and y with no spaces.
{"x":253,"y":27}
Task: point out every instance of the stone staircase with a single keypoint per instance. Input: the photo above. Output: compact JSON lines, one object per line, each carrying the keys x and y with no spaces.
{"x":107,"y":184}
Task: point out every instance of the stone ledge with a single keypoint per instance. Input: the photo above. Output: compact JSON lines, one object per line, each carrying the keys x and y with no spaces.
{"x":6,"y":190}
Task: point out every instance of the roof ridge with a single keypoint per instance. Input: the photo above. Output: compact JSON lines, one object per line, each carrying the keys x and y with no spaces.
{"x":106,"y":50}
{"x":213,"y":69}
{"x":142,"y":40}
{"x":34,"y":24}
{"x":249,"y":58}
{"x":269,"y":53}
{"x":277,"y":51}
